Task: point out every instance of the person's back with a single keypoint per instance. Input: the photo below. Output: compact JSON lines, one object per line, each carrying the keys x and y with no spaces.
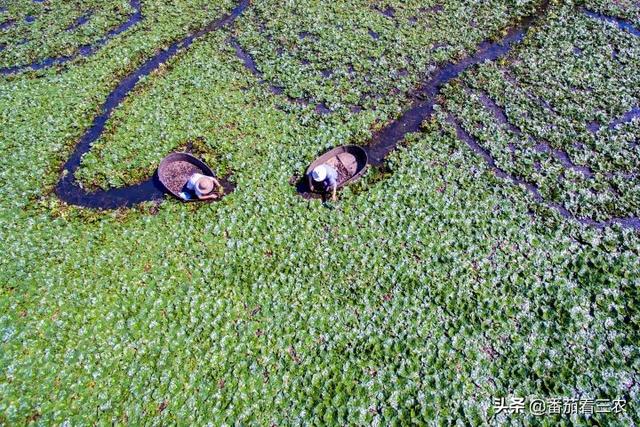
{"x":332,"y":178}
{"x":326,"y":176}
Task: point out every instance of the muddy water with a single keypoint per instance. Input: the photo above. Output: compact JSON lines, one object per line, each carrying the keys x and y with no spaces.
{"x":68,"y":189}
{"x":86,"y":50}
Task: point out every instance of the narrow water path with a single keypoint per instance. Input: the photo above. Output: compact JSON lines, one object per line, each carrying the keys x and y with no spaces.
{"x":86,"y":50}
{"x":424,"y":99}
{"x":68,"y":188}
{"x":250,"y":65}
{"x":621,"y":23}
{"x":422,"y":108}
{"x":534,"y":190}
{"x":627,"y":117}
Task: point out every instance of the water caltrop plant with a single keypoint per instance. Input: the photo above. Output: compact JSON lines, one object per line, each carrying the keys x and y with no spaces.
{"x":493,"y":254}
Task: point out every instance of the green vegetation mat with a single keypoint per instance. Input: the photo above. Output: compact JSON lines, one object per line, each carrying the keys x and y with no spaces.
{"x":40,"y":30}
{"x":495,"y":254}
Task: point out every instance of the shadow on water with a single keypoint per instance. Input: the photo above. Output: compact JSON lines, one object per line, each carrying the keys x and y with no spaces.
{"x":69,"y":190}
{"x":301,"y":183}
{"x":86,"y":50}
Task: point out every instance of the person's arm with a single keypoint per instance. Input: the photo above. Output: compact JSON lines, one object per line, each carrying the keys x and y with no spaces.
{"x":335,"y":189}
{"x":217,"y":183}
{"x":213,"y":195}
{"x":217,"y":191}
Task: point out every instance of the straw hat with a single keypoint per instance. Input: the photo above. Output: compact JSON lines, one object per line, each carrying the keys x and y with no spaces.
{"x":204,"y":185}
{"x":319,"y":173}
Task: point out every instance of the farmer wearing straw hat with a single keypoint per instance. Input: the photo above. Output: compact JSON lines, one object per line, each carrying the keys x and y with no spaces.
{"x":203,"y":186}
{"x":327,"y":177}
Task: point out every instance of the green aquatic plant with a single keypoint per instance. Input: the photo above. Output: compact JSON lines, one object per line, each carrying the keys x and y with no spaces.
{"x":551,"y":92}
{"x":432,"y":287}
{"x":41,"y":30}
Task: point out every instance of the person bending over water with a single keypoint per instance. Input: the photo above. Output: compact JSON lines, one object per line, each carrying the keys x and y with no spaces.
{"x":326,"y":177}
